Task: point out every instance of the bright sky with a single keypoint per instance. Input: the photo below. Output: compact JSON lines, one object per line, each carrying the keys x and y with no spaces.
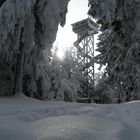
{"x":77,"y":10}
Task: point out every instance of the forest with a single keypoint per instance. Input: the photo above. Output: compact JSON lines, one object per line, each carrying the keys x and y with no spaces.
{"x":28,"y":65}
{"x":45,"y":98}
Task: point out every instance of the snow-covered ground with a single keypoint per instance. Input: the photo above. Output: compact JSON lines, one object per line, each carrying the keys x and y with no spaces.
{"x":22,"y":118}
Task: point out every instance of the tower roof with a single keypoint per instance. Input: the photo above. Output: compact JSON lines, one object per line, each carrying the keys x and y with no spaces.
{"x":85,"y":26}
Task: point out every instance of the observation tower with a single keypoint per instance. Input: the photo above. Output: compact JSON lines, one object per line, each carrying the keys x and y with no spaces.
{"x":85,"y":30}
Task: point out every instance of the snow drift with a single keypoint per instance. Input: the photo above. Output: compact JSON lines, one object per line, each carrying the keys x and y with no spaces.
{"x":23,"y":118}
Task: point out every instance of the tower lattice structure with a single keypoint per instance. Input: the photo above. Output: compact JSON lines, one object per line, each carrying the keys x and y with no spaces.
{"x":85,"y":30}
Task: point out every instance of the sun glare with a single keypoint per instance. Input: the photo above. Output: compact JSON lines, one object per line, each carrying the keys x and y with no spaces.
{"x":60,"y":54}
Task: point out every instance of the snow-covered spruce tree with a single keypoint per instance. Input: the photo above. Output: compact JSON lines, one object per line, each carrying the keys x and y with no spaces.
{"x":64,"y":85}
{"x":71,"y":75}
{"x":119,"y":44}
{"x":27,"y":30}
{"x":56,"y":79}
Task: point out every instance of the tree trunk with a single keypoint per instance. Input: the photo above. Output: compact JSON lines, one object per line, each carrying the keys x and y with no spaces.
{"x":19,"y":67}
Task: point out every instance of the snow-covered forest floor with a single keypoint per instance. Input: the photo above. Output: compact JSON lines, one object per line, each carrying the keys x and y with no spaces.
{"x":22,"y":118}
